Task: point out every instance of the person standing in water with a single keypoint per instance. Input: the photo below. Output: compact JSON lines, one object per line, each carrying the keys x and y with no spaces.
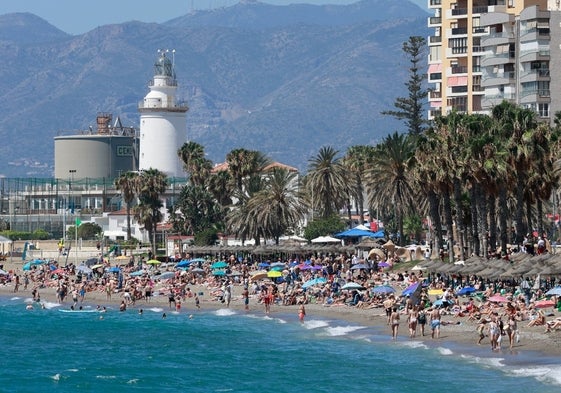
{"x":301,"y":313}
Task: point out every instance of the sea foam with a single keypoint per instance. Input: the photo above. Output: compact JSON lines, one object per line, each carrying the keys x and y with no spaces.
{"x":342,"y":330}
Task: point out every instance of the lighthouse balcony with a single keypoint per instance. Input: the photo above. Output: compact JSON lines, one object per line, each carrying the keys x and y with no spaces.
{"x":154,"y":105}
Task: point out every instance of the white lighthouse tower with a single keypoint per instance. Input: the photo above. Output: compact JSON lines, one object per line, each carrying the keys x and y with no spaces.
{"x":163,"y":121}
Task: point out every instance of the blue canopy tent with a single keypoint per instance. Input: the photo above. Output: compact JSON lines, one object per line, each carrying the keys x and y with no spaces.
{"x":354,"y":232}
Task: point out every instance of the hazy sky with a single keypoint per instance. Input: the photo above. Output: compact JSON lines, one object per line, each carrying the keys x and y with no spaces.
{"x":80,"y":16}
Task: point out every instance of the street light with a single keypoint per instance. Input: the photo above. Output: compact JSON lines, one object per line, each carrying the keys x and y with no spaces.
{"x":71,"y":197}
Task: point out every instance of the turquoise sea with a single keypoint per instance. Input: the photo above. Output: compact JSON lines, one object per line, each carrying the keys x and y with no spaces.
{"x":46,"y":350}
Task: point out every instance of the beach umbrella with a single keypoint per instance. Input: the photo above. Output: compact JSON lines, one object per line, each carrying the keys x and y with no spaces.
{"x":197,"y":270}
{"x":114,"y":269}
{"x":84,"y":269}
{"x":219,"y":273}
{"x":465,"y":291}
{"x":122,"y":258}
{"x":442,"y":303}
{"x":352,"y":285}
{"x":183,"y":263}
{"x":377,"y":252}
{"x":544,"y":303}
{"x":314,"y":281}
{"x":277,"y":268}
{"x":3,"y":272}
{"x":137,"y":273}
{"x":555,"y":291}
{"x":277,"y":264}
{"x":26,"y":266}
{"x":498,"y":299}
{"x":418,"y":268}
{"x":410,"y":289}
{"x":435,"y":292}
{"x":97,"y":266}
{"x":383,"y":264}
{"x":383,"y":289}
{"x":258,"y":275}
{"x":264,"y":264}
{"x":389,"y":245}
{"x":153,"y":262}
{"x":165,"y":276}
{"x":360,"y":266}
{"x":58,"y":271}
{"x":219,"y":265}
{"x":274,"y":274}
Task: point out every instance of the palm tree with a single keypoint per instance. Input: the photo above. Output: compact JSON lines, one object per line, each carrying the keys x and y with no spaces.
{"x":151,"y":184}
{"x":195,"y":163}
{"x":356,"y":161}
{"x":126,"y":183}
{"x":278,"y":207}
{"x":513,"y":124}
{"x":390,"y":181}
{"x":243,"y":163}
{"x":326,"y":182}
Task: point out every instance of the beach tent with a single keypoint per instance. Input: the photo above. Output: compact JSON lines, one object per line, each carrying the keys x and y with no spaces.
{"x":4,"y":241}
{"x":356,"y":233}
{"x":325,"y":239}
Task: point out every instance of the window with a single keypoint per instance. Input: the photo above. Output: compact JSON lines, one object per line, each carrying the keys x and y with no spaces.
{"x":543,"y":110}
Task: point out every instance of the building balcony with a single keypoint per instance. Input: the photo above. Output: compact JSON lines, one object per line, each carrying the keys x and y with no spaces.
{"x":435,"y":39}
{"x":435,"y":3}
{"x":458,"y":12}
{"x":494,"y":39}
{"x":506,"y":78}
{"x":458,"y":70}
{"x":534,"y":75}
{"x":497,"y":59}
{"x":457,"y":31}
{"x":435,"y":95}
{"x":434,"y":21}
{"x":482,"y":9}
{"x":477,"y":50}
{"x":480,"y":30}
{"x":534,"y":35}
{"x":534,"y":55}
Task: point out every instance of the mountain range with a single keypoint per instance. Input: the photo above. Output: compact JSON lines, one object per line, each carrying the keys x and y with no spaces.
{"x":284,"y":80}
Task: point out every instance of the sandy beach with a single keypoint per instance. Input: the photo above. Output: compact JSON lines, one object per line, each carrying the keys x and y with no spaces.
{"x":455,"y":329}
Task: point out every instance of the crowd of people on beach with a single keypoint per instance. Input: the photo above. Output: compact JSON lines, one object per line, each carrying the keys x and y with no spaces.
{"x":437,"y":297}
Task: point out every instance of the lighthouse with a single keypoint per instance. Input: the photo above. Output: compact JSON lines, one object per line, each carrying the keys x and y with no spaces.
{"x":163,"y":121}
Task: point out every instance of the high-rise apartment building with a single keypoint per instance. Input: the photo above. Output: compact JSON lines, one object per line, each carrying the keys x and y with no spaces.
{"x":485,"y":51}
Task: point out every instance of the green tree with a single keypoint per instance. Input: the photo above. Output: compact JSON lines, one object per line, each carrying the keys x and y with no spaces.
{"x":410,"y":108}
{"x":127,"y":184}
{"x":390,"y":181}
{"x":326,"y":182}
{"x":277,"y":208}
{"x":151,"y":184}
{"x":195,"y":163}
{"x":322,"y":226}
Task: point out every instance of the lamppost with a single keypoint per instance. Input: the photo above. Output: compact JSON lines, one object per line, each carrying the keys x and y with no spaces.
{"x":71,"y":197}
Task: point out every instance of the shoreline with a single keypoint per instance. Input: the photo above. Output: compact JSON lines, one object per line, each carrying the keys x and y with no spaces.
{"x":534,"y":343}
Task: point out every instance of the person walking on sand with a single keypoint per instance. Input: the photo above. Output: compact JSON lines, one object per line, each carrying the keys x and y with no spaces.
{"x":197,"y":302}
{"x":422,"y":319}
{"x":412,"y":321}
{"x":301,"y":313}
{"x":435,"y":323}
{"x":245,"y":295}
{"x":481,"y":330}
{"x":394,"y":318}
{"x":388,"y":305}
{"x":511,"y":330}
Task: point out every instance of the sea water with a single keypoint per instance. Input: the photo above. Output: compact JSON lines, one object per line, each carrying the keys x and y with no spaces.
{"x":46,"y":350}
